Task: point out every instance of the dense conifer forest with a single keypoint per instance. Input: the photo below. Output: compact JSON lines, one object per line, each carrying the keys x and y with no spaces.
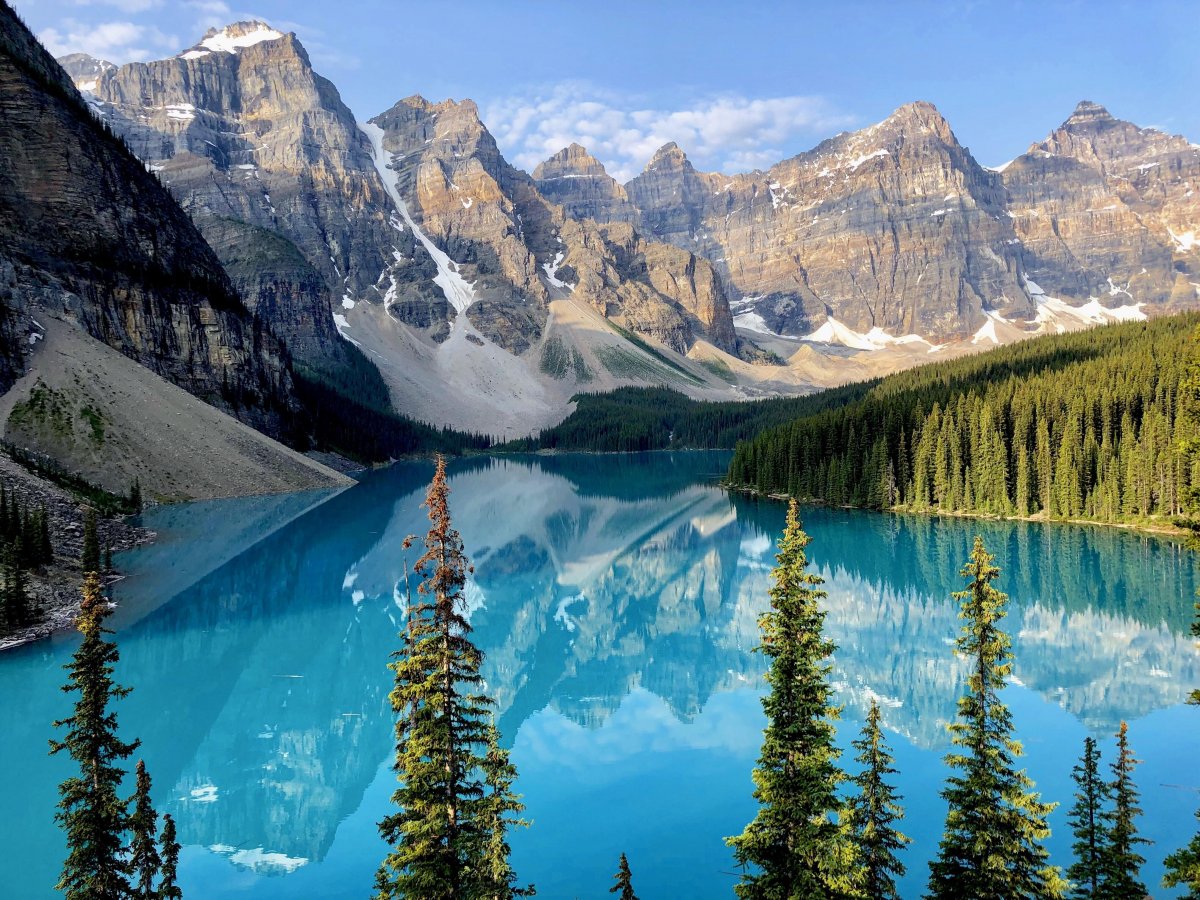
{"x":1073,"y":426}
{"x":636,"y":419}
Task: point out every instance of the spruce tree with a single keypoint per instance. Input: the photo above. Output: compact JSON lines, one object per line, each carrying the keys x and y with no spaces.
{"x":143,"y":851}
{"x":1087,"y":821}
{"x":796,"y":847}
{"x":92,"y":814}
{"x":17,"y":613}
{"x":873,"y":812}
{"x":168,"y":885}
{"x":439,"y":837}
{"x":624,"y":881}
{"x":135,"y":495}
{"x":1121,"y":863}
{"x":496,"y":818}
{"x":992,"y":846}
{"x":91,"y":543}
{"x":1183,"y":866}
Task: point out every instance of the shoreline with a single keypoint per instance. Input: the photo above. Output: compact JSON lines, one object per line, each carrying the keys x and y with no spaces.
{"x":1160,"y":530}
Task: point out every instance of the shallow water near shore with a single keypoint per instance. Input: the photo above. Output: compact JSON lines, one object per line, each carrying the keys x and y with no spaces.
{"x":615,"y":598}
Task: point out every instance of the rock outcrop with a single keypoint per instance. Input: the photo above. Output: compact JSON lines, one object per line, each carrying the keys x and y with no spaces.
{"x":518,"y":249}
{"x":263,"y":154}
{"x":898,"y":228}
{"x":1106,"y":209}
{"x":577,"y":181}
{"x":87,"y":233}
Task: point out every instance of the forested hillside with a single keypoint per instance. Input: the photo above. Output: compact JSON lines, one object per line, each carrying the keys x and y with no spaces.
{"x":634,"y":419}
{"x":1073,"y":426}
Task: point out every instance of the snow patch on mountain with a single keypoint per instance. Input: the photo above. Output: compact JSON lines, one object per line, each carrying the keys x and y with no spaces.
{"x":232,"y":38}
{"x":459,"y":292}
{"x":834,"y":332}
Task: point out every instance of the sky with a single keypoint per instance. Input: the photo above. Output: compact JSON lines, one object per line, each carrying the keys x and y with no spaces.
{"x":737,"y":85}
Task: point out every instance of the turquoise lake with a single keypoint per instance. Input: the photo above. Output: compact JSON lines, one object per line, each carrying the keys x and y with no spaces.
{"x":615,"y":598}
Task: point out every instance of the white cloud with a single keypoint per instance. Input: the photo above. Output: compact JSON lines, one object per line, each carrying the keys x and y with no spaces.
{"x":118,"y":42}
{"x":126,"y":6}
{"x":729,"y":133}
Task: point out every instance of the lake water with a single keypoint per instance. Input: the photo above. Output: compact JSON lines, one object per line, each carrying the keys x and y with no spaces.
{"x":616,"y":599}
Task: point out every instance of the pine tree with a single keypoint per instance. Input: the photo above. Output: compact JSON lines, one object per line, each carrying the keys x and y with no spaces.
{"x":992,"y":846}
{"x":143,"y":852}
{"x":17,"y":613}
{"x":624,"y":881}
{"x":91,"y":543}
{"x":135,"y":495}
{"x":1121,"y":862}
{"x":1183,"y":866}
{"x":108,"y":560}
{"x":873,"y":812}
{"x":796,"y":847}
{"x":90,"y":810}
{"x":497,"y":817}
{"x":1087,"y":821}
{"x":439,"y":837}
{"x":168,"y":885}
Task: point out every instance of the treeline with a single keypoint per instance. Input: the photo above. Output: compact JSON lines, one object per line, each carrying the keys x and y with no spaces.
{"x":634,"y":419}
{"x":1081,"y":425}
{"x":348,"y":411}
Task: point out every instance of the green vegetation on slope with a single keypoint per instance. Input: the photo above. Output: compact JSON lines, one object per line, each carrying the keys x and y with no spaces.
{"x":636,"y":419}
{"x":1074,"y":426}
{"x":348,"y":411}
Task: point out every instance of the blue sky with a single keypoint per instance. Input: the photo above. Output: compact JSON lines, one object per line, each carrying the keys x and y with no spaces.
{"x":737,"y":85}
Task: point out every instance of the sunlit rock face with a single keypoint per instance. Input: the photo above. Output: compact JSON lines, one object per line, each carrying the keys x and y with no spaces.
{"x":896,"y":227}
{"x":271,"y":165}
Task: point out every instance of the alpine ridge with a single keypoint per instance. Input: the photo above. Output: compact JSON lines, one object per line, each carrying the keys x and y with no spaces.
{"x":411,"y":238}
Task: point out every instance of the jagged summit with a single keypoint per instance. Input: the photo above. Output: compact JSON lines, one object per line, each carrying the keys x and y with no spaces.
{"x":85,"y":70}
{"x":232,"y":38}
{"x":572,"y":161}
{"x":667,"y":157}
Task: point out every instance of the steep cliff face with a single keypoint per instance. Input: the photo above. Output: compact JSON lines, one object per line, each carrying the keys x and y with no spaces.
{"x":577,"y":181}
{"x":518,"y":250}
{"x":1106,"y":209}
{"x":896,"y":230}
{"x":895,"y":227}
{"x":87,"y":234}
{"x":257,"y":148}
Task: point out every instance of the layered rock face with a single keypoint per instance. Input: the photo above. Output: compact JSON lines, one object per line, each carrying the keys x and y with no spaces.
{"x":1104,"y":208}
{"x":897,"y":227}
{"x":260,"y":150}
{"x":518,"y":250}
{"x":88,"y":234}
{"x":577,"y":181}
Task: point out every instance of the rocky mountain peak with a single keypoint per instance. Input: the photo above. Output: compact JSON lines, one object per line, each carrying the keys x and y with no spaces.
{"x":570,"y":162}
{"x":1088,"y":113}
{"x":85,"y":70}
{"x":232,"y":38}
{"x":668,"y":158}
{"x":920,"y":116}
{"x":578,"y":182}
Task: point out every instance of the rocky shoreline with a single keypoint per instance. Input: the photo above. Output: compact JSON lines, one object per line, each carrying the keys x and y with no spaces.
{"x":55,"y":588}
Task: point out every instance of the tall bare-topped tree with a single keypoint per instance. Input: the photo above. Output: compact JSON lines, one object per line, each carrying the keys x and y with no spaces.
{"x":992,"y":846}
{"x":441,"y":833}
{"x":797,"y":845}
{"x":90,"y":811}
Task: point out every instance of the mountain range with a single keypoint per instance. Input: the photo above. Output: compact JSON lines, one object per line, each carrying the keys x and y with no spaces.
{"x":486,"y":297}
